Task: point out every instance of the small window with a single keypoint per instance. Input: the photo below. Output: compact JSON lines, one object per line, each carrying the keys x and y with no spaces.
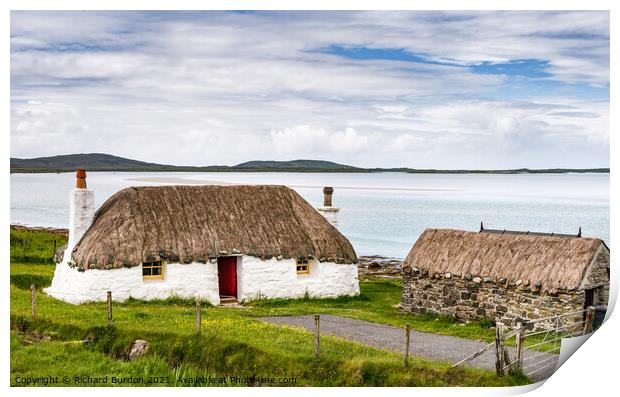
{"x":303,"y":266}
{"x":153,"y":270}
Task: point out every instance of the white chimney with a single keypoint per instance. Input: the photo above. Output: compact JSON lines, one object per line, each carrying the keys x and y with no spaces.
{"x":81,"y":210}
{"x":327,"y":210}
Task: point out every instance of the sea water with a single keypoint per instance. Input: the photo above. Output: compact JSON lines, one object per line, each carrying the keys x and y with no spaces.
{"x":381,"y":213}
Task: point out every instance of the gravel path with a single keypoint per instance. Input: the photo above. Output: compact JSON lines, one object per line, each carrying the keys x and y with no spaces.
{"x":439,"y":347}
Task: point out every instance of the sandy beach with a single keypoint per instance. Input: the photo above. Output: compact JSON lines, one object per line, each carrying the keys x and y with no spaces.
{"x":174,"y":180}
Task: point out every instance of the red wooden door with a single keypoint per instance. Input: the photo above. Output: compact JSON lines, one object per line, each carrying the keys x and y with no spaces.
{"x":227,"y":275}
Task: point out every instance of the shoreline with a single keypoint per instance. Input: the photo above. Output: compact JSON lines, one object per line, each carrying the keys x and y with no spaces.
{"x":302,"y":170}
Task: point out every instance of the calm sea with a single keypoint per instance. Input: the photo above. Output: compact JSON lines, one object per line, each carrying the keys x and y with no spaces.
{"x":382,"y":213}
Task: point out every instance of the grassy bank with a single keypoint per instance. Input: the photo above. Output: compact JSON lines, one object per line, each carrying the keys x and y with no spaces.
{"x":233,"y":342}
{"x":35,"y":246}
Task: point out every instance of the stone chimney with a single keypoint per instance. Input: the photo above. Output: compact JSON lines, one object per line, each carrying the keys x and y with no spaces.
{"x":327,"y":196}
{"x":81,"y":210}
{"x":328,"y":210}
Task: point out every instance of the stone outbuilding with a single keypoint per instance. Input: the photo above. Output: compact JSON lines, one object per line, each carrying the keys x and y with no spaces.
{"x":216,"y":243}
{"x":503,"y":275}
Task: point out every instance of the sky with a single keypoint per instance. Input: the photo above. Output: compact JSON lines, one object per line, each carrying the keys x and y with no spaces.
{"x":371,"y":89}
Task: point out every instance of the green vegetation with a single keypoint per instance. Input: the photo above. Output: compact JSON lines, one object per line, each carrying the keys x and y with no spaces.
{"x":106,"y":162}
{"x":233,"y":341}
{"x":34,"y":245}
{"x":57,"y":359}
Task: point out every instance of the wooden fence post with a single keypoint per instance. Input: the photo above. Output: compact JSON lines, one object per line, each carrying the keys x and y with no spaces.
{"x":198,"y":315}
{"x":588,"y":325}
{"x":317,"y":335}
{"x":519,"y":340}
{"x":406,"y":357}
{"x":33,"y":301}
{"x":506,"y":363}
{"x":110,"y":308}
{"x":54,"y":251}
{"x":499,"y":349}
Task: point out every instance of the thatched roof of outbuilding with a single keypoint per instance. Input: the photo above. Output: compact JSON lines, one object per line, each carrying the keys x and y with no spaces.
{"x":187,"y":224}
{"x":553,"y":261}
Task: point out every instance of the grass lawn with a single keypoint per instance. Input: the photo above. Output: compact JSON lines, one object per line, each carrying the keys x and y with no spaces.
{"x":233,"y":342}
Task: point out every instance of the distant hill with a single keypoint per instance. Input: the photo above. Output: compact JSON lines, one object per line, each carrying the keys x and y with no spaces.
{"x":292,"y":164}
{"x":108,"y":162}
{"x":515,"y":171}
{"x":88,"y":161}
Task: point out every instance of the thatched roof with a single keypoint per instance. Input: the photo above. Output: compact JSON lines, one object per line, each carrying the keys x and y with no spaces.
{"x":555,"y":262}
{"x":194,"y":223}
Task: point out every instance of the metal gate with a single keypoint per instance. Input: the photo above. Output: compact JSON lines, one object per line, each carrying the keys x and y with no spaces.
{"x":533,"y":346}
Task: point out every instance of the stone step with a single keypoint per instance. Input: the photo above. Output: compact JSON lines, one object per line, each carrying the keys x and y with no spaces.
{"x":227,"y":300}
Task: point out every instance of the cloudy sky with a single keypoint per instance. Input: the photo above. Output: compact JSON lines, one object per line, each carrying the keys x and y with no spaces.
{"x":415,"y":89}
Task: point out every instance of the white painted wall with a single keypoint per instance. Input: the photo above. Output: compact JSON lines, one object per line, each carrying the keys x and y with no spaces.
{"x":81,"y":214}
{"x":279,"y":279}
{"x":255,"y":279}
{"x":180,"y":280}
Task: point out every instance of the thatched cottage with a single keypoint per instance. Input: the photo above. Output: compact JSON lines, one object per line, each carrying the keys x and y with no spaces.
{"x":504,"y":275}
{"x":209,"y":242}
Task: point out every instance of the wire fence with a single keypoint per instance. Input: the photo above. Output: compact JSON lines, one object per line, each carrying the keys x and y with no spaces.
{"x":536,"y":343}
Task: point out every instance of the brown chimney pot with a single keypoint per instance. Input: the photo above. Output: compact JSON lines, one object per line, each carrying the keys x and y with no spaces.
{"x":327,"y":196}
{"x":80,"y":179}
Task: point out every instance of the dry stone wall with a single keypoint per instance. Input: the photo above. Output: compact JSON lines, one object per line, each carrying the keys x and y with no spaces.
{"x":468,"y":297}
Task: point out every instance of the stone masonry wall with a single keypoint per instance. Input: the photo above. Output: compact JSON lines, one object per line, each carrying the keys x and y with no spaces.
{"x":466,"y":297}
{"x":598,"y":277}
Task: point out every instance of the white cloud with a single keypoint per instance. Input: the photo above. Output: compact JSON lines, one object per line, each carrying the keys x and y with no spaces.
{"x":302,"y":140}
{"x":221,"y":88}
